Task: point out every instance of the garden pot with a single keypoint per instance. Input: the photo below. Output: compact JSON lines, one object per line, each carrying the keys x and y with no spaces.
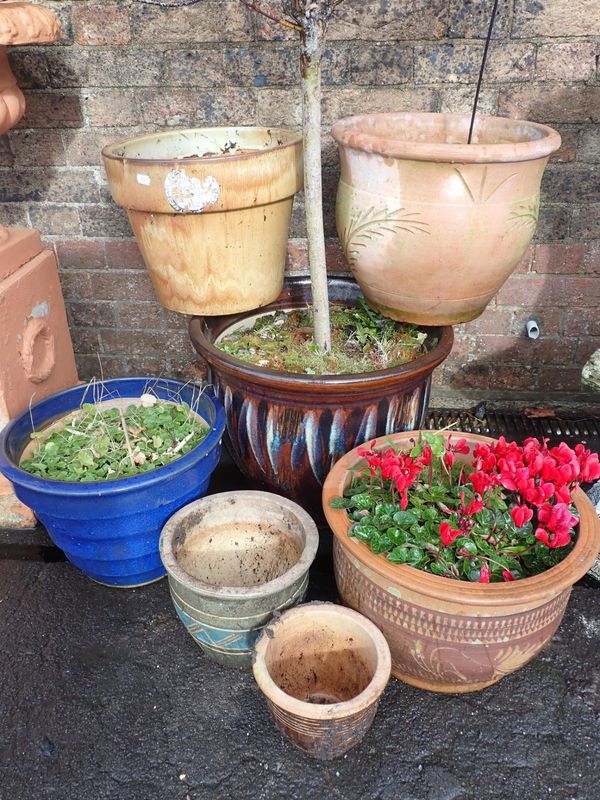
{"x":210,"y":209}
{"x":233,"y":560}
{"x":322,"y":669}
{"x":286,"y":430}
{"x":448,"y":635}
{"x":110,"y":529}
{"x":432,"y":226}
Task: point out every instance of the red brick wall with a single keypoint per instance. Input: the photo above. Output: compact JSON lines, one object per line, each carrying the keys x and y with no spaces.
{"x":125,"y":68}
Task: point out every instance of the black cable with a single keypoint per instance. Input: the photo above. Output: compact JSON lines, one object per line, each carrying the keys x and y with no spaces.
{"x":484,"y":59}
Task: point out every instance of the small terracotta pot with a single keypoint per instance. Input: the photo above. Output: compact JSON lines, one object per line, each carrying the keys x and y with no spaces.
{"x":322,"y":669}
{"x":233,"y":560}
{"x":447,"y":635}
{"x":210,"y":209}
{"x":432,"y":226}
{"x":287,"y":429}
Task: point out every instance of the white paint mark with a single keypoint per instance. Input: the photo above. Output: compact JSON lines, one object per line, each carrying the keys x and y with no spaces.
{"x":591,"y":627}
{"x":188,"y":194}
{"x":40,"y":310}
{"x":143,"y":180}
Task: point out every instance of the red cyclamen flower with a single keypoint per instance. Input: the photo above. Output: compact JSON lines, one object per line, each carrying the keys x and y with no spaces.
{"x":520,"y":515}
{"x":448,"y":533}
{"x":484,"y":574}
{"x":507,"y":575}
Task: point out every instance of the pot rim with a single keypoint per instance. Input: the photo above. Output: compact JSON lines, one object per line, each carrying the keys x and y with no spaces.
{"x":545,"y":584}
{"x":329,"y":711}
{"x":108,"y":151}
{"x":45,"y":486}
{"x":348,"y":132}
{"x":293,"y":574}
{"x":296,"y":380}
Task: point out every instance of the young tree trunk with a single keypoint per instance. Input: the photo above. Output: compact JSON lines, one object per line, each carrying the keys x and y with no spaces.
{"x":312,"y":51}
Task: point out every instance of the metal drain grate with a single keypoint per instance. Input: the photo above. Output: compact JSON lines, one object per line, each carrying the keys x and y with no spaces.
{"x":516,"y":426}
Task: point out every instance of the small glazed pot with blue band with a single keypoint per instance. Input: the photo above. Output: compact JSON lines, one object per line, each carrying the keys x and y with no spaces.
{"x":234,"y":560}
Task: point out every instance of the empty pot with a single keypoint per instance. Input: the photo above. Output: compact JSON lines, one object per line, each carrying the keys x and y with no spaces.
{"x":322,"y":669}
{"x":233,"y":559}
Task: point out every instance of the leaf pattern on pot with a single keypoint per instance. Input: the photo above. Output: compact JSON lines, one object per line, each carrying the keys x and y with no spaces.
{"x":482,"y":193}
{"x":514,"y":657}
{"x":372,"y":223}
{"x":525,"y":214}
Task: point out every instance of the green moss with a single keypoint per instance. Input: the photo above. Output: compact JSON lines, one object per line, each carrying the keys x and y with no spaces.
{"x":362,"y":341}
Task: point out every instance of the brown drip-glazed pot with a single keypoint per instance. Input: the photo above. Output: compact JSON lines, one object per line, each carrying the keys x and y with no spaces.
{"x":447,"y":635}
{"x":286,"y":430}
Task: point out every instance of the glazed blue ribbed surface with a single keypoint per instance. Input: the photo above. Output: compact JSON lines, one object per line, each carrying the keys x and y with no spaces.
{"x":110,"y":529}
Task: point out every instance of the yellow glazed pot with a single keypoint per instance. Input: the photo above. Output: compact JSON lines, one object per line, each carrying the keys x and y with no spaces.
{"x":210,"y":209}
{"x":432,"y":226}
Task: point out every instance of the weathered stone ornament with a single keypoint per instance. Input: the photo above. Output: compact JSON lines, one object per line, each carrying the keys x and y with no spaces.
{"x":590,"y":374}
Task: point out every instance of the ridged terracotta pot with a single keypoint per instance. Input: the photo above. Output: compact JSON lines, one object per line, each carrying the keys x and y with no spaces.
{"x":322,"y":669}
{"x":286,"y":430}
{"x":233,"y":560}
{"x":432,"y":226}
{"x":447,"y":635}
{"x":210,"y":209}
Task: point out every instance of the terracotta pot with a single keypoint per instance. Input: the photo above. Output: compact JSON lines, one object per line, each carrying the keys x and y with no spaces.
{"x":210,"y":209}
{"x":233,"y":560}
{"x":447,"y":635}
{"x":286,"y":430}
{"x":322,"y":669}
{"x":432,"y":226}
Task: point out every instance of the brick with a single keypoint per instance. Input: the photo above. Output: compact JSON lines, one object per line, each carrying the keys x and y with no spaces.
{"x":211,"y":21}
{"x":567,"y":290}
{"x":148,"y":316}
{"x":335,"y":66}
{"x":589,"y":147}
{"x":276,"y":65}
{"x":95,"y":366}
{"x":458,"y":99}
{"x":85,"y":340}
{"x":553,"y":223}
{"x":38,"y":148}
{"x":558,"y":258}
{"x":564,"y":379}
{"x":492,"y":321}
{"x":106,"y":108}
{"x":556,"y":103}
{"x":567,"y":151}
{"x":203,"y":67}
{"x":13,"y":214}
{"x":586,"y":347}
{"x":230,"y":107}
{"x":342,"y":102}
{"x":100,"y":23}
{"x":549,"y":319}
{"x":279,"y":107}
{"x":30,"y":72}
{"x":581,"y":322}
{"x":123,"y":254}
{"x":125,"y":285}
{"x":555,"y":18}
{"x":520,"y":349}
{"x":391,"y":21}
{"x":55,"y":220}
{"x":380,"y":63}
{"x":7,"y":156}
{"x":54,"y":185}
{"x":52,"y":111}
{"x":571,"y":183}
{"x":84,"y":148}
{"x":591,"y":260}
{"x":131,"y":66}
{"x":80,"y":254}
{"x":566,"y":61}
{"x":524,"y":264}
{"x":174,"y":108}
{"x":92,"y":315}
{"x":585,"y":222}
{"x":139,"y":342}
{"x":76,"y":285}
{"x":447,"y":63}
{"x":109,"y":221}
{"x":469,"y":19}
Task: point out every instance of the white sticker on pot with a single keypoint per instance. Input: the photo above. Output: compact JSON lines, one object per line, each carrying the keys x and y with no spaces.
{"x":144,"y":180}
{"x":188,"y":194}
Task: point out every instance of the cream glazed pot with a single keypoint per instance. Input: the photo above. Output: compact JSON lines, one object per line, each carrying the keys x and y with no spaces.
{"x":210,"y":209}
{"x":431,"y":226}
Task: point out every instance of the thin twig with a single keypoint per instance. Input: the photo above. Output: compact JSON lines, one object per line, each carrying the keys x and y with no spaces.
{"x":170,"y":4}
{"x":279,"y":20}
{"x":126,"y":434}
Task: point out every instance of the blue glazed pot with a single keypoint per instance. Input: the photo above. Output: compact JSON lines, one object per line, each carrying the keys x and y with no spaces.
{"x":110,"y":529}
